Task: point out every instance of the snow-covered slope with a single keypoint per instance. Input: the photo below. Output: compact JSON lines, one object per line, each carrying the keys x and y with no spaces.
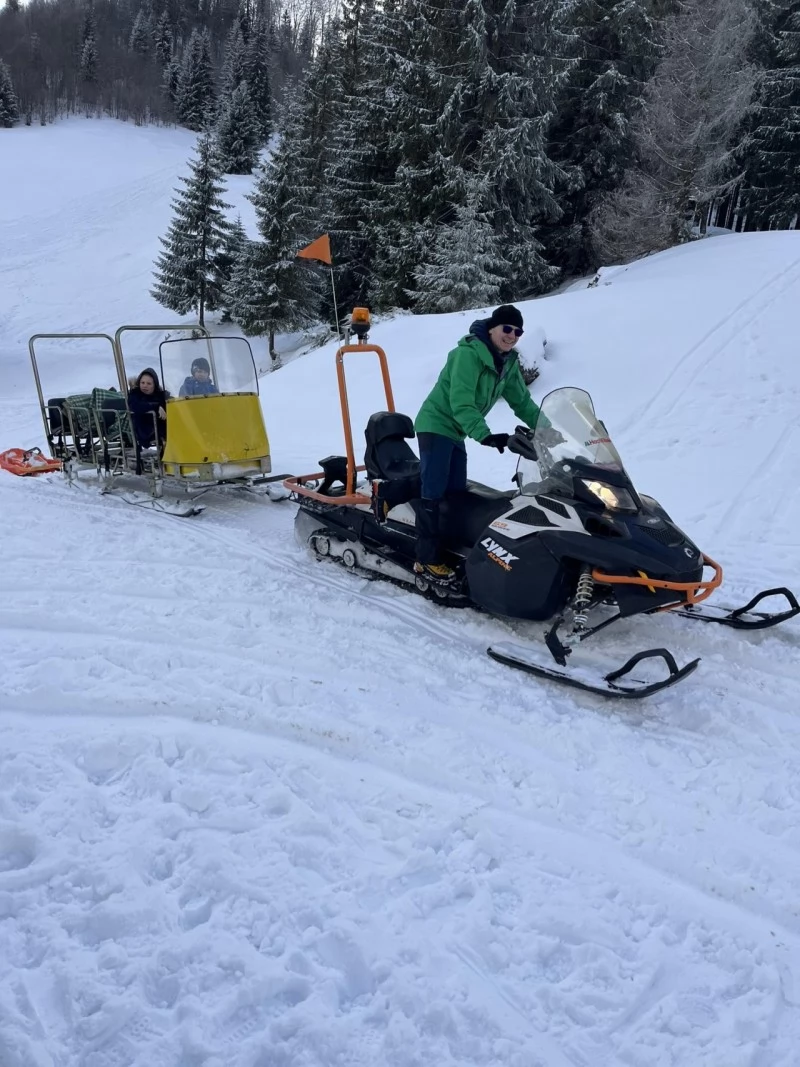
{"x":255,"y":811}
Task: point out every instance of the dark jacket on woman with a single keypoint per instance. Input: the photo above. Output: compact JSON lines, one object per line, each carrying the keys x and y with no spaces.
{"x":147,"y":426}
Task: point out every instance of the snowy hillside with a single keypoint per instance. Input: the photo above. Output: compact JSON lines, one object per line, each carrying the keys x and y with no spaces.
{"x":255,"y":811}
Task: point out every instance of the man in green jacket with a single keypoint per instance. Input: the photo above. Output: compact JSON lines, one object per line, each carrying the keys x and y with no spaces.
{"x":482,"y":367}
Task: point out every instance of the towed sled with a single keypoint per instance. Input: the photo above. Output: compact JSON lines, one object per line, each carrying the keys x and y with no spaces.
{"x":25,"y":461}
{"x":212,"y":441}
{"x":575,"y":545}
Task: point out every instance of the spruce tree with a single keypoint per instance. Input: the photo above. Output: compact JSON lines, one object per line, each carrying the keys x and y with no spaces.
{"x":256,"y":74}
{"x":358,"y":159}
{"x":171,"y":80}
{"x":141,"y":38}
{"x":614,"y":43}
{"x":463,"y":265}
{"x":234,"y":64}
{"x":245,"y":19}
{"x":237,"y":139}
{"x":89,"y":61}
{"x":191,"y":271}
{"x":162,"y":38}
{"x":9,"y":110}
{"x":418,"y":190}
{"x":195,"y":98}
{"x":472,"y":91}
{"x":232,"y":253}
{"x":271,"y":290}
{"x":513,"y":76}
{"x":771,"y":151}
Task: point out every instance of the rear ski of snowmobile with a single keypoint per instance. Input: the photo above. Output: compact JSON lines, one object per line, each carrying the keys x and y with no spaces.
{"x":574,"y":545}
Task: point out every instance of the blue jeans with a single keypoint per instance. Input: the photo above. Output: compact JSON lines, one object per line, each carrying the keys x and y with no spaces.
{"x":443,"y":470}
{"x":442,"y":465}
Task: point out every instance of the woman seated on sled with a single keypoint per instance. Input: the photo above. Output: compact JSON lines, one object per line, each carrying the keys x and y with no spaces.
{"x":148,"y":406}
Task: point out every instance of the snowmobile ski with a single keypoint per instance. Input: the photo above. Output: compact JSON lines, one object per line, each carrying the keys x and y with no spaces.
{"x":743,"y":618}
{"x":513,"y":655}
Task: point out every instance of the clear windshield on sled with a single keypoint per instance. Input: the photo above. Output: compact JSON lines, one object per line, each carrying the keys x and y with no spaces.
{"x":586,"y":447}
{"x":226,"y":366}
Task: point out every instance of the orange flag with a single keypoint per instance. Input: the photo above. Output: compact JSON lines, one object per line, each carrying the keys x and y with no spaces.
{"x":319,"y":250}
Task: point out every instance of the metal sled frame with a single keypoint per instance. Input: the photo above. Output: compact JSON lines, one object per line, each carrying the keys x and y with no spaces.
{"x":298,"y":483}
{"x":109,"y":457}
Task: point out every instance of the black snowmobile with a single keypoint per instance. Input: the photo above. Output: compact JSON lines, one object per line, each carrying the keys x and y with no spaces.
{"x":574,"y":543}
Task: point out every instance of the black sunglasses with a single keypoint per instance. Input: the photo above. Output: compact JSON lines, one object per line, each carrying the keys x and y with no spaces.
{"x":513,"y":329}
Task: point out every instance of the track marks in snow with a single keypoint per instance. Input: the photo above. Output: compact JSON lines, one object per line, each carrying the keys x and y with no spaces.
{"x":682,"y":377}
{"x":405,"y":922}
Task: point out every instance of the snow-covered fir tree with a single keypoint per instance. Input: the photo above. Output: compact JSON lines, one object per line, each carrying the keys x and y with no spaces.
{"x":471,"y":90}
{"x":416,"y":192}
{"x":462,"y":264}
{"x":141,"y":38}
{"x":614,"y":43}
{"x":195,"y":100}
{"x":270,"y":289}
{"x":162,"y":39}
{"x":191,"y":271}
{"x":171,"y":80}
{"x":771,"y":195}
{"x":245,"y":19}
{"x":514,"y":77}
{"x":237,"y":134}
{"x":235,"y":61}
{"x":232,"y":252}
{"x":256,"y":74}
{"x":9,"y":110}
{"x":358,"y":161}
{"x":88,"y":64}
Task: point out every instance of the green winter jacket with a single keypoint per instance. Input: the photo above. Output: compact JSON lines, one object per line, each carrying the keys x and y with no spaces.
{"x":467,"y":390}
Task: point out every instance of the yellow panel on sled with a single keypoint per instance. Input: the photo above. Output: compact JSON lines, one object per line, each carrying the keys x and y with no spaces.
{"x":217,"y":437}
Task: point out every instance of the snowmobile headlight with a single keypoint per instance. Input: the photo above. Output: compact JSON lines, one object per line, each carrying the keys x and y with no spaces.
{"x":611,"y":496}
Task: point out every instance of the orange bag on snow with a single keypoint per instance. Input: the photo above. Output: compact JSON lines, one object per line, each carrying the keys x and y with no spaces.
{"x":28,"y":461}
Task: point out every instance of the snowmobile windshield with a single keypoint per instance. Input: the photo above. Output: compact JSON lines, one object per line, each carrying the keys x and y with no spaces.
{"x":202,"y":366}
{"x":571,"y":442}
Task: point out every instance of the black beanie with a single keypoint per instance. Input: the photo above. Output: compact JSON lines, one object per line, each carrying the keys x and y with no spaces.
{"x":506,"y":315}
{"x":201,"y":363}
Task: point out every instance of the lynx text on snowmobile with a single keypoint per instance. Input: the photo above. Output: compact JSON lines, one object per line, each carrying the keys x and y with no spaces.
{"x":574,"y":544}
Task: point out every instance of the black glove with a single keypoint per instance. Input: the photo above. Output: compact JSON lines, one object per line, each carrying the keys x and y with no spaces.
{"x":496,"y":440}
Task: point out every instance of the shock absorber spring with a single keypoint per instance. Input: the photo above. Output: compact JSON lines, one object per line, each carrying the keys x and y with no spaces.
{"x":583,"y":597}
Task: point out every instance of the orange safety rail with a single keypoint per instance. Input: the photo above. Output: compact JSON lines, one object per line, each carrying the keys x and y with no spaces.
{"x":695,"y":591}
{"x":350,"y":496}
{"x":295,"y":483}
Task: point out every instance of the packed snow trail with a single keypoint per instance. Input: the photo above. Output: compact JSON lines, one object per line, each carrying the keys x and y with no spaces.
{"x":545,"y":808}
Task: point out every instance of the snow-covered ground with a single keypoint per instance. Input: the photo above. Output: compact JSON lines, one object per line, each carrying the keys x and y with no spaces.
{"x":257,"y":812}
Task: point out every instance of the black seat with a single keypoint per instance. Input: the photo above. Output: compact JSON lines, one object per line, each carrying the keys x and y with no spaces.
{"x":387,"y":454}
{"x":465,"y":516}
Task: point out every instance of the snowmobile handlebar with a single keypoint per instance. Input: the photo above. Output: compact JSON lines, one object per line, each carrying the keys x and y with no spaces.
{"x":521,"y":443}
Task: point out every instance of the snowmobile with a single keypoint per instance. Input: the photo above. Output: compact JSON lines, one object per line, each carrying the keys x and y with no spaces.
{"x":574,"y":543}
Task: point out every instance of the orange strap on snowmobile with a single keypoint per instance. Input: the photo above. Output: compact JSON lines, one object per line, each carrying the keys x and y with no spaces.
{"x":28,"y":461}
{"x":695,"y":591}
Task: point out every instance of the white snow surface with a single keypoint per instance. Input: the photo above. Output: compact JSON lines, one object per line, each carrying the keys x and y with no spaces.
{"x":255,"y":811}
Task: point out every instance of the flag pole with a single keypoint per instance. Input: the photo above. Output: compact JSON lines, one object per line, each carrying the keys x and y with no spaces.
{"x":335,"y":309}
